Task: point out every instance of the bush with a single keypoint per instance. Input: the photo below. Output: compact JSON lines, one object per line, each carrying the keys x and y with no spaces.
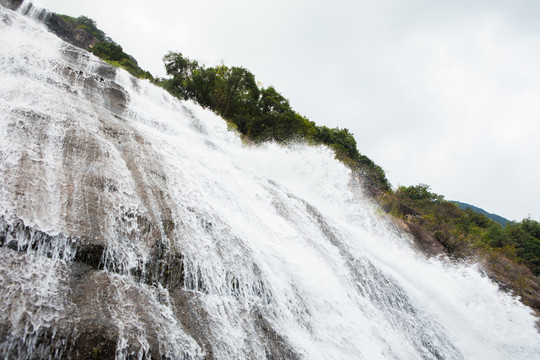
{"x":525,"y":237}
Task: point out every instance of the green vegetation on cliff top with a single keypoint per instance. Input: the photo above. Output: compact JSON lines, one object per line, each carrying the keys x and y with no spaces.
{"x":453,"y":226}
{"x":106,"y":48}
{"x":261,"y":113}
{"x":86,"y":24}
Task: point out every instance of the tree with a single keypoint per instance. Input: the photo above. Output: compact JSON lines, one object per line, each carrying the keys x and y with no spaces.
{"x":181,"y":69}
{"x":277,"y":120}
{"x":526,"y":238}
{"x":420,"y":192}
{"x":235,"y":92}
{"x":109,"y":51}
{"x":339,"y":139}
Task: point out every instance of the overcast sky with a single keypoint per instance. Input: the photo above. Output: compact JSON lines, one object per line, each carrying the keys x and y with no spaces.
{"x":445,"y":93}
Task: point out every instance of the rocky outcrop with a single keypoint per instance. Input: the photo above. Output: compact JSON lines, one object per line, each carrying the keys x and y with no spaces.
{"x":88,"y":301}
{"x":84,"y":317}
{"x":66,"y":32}
{"x":515,"y":278}
{"x":424,"y":240}
{"x":11,"y":4}
{"x":74,"y":36}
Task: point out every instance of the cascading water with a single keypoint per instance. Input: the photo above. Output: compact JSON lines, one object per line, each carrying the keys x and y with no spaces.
{"x":134,"y":225}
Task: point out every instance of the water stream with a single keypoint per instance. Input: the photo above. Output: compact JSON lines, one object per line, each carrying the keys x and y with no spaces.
{"x":134,"y":225}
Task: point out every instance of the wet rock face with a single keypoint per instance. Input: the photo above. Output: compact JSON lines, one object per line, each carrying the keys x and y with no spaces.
{"x":78,"y":306}
{"x":11,"y":4}
{"x":89,"y":246}
{"x":80,"y":313}
{"x":77,"y":37}
{"x":85,"y":223}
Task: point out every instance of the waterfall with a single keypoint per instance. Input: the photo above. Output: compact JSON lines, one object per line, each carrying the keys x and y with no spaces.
{"x":135,"y":225}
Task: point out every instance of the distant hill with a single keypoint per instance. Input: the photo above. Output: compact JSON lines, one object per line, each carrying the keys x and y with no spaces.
{"x":493,"y":217}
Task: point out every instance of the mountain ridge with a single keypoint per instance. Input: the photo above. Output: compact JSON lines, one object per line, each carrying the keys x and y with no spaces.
{"x":497,"y":218}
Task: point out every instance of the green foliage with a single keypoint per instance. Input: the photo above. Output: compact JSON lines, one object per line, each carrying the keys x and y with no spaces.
{"x":260,"y":114}
{"x":341,"y":139}
{"x":525,"y":237}
{"x":113,"y":53}
{"x":181,"y":84}
{"x":274,"y":119}
{"x":418,"y":193}
{"x":109,"y":51}
{"x":86,"y":24}
{"x":471,"y":221}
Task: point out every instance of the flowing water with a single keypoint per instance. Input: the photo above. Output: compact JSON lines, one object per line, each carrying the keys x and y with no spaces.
{"x":134,"y":225}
